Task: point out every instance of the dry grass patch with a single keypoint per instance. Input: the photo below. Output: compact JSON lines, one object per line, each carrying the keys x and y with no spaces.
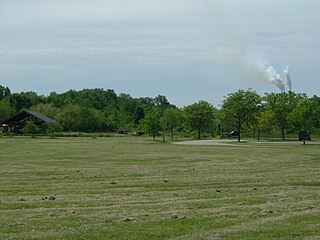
{"x":133,"y":188}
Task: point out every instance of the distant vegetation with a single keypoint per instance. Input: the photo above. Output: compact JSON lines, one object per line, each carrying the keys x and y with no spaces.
{"x":99,"y":110}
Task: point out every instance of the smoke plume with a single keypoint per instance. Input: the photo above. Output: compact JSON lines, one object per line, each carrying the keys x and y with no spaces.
{"x":269,"y":74}
{"x":275,"y":78}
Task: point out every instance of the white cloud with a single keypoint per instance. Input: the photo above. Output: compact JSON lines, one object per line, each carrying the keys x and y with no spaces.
{"x":59,"y":11}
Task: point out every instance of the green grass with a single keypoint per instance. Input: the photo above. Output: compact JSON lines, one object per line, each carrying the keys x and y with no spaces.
{"x":134,"y":188}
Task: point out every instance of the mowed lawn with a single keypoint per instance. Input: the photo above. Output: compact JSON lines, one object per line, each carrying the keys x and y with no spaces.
{"x":134,"y":188}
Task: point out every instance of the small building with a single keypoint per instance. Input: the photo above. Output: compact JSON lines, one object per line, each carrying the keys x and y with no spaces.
{"x":17,"y":122}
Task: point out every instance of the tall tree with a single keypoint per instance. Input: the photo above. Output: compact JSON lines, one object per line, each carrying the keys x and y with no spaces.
{"x":127,"y":109}
{"x":25,"y":100}
{"x":281,"y":105}
{"x":306,"y":115}
{"x":47,"y":109}
{"x":199,"y":116}
{"x":162,"y":102}
{"x":151,"y":123}
{"x":5,"y":109}
{"x":69,"y":117}
{"x":241,"y":107}
{"x":173,"y":119}
{"x":4,"y":92}
{"x":91,"y":120}
{"x":265,"y":122}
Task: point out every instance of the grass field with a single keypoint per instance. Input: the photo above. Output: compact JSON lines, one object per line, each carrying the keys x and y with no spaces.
{"x":134,"y":188}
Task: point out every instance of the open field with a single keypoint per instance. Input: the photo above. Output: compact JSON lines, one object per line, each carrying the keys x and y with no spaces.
{"x":134,"y":188}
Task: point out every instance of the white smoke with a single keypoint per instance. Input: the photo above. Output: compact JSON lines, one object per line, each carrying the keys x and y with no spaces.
{"x":276,"y":79}
{"x":288,"y":78}
{"x":268,"y":74}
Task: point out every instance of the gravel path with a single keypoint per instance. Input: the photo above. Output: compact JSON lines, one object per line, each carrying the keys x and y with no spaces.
{"x":235,"y":143}
{"x":211,"y":142}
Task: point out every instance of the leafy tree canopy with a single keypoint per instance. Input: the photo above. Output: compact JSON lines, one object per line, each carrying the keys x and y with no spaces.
{"x":240,"y":107}
{"x":199,"y":116}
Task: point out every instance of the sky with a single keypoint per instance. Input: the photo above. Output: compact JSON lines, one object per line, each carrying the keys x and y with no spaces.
{"x":187,"y":50}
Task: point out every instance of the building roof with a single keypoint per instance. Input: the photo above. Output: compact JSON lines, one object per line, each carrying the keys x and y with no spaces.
{"x":24,"y":114}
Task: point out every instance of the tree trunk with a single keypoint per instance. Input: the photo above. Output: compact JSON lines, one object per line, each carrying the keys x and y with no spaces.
{"x":282,"y":133}
{"x":258,"y":135}
{"x":171,"y":134}
{"x":199,"y":133}
{"x":163,"y":125}
{"x":304,"y":140}
{"x":154,"y":137}
{"x":239,"y":137}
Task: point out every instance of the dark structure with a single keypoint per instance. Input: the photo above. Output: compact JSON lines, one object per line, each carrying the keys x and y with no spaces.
{"x":16,"y":122}
{"x":305,"y":135}
{"x":233,"y":134}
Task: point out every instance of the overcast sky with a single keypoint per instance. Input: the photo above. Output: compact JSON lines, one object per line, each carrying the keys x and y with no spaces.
{"x":187,"y":50}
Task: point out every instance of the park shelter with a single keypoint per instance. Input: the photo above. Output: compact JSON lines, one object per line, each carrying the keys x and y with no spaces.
{"x":16,"y":122}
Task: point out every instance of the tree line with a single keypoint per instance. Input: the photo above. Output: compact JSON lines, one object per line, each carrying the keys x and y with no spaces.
{"x":100,"y":110}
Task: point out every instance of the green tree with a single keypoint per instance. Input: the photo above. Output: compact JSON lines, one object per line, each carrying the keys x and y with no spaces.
{"x":112,"y":116}
{"x":91,"y":120}
{"x":31,"y":128}
{"x":69,"y":117}
{"x":200,"y":116}
{"x":306,"y":115}
{"x":174,"y":118}
{"x":127,"y":109}
{"x":241,"y":107}
{"x":47,"y":109}
{"x":162,"y":102}
{"x":5,"y":109}
{"x":138,"y":114}
{"x":25,"y":100}
{"x":264,"y":122}
{"x":4,"y":92}
{"x":281,"y":105}
{"x":151,"y":123}
{"x":53,"y":127}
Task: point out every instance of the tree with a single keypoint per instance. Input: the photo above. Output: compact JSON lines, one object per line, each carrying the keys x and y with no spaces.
{"x":162,"y":102}
{"x":138,"y":114}
{"x":53,"y":128}
{"x":47,"y":109}
{"x":173,"y":119}
{"x":69,"y":117}
{"x":199,"y":116}
{"x":281,"y":105}
{"x":306,"y":115}
{"x":25,"y":100}
{"x":127,"y":110}
{"x":241,"y":107}
{"x":5,"y":109}
{"x":31,"y":128}
{"x":111,"y":116}
{"x":4,"y":92}
{"x":151,"y":123}
{"x":91,"y":120}
{"x":265,"y":122}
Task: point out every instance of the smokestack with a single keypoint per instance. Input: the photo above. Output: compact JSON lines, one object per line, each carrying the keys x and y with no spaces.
{"x":288,"y":78}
